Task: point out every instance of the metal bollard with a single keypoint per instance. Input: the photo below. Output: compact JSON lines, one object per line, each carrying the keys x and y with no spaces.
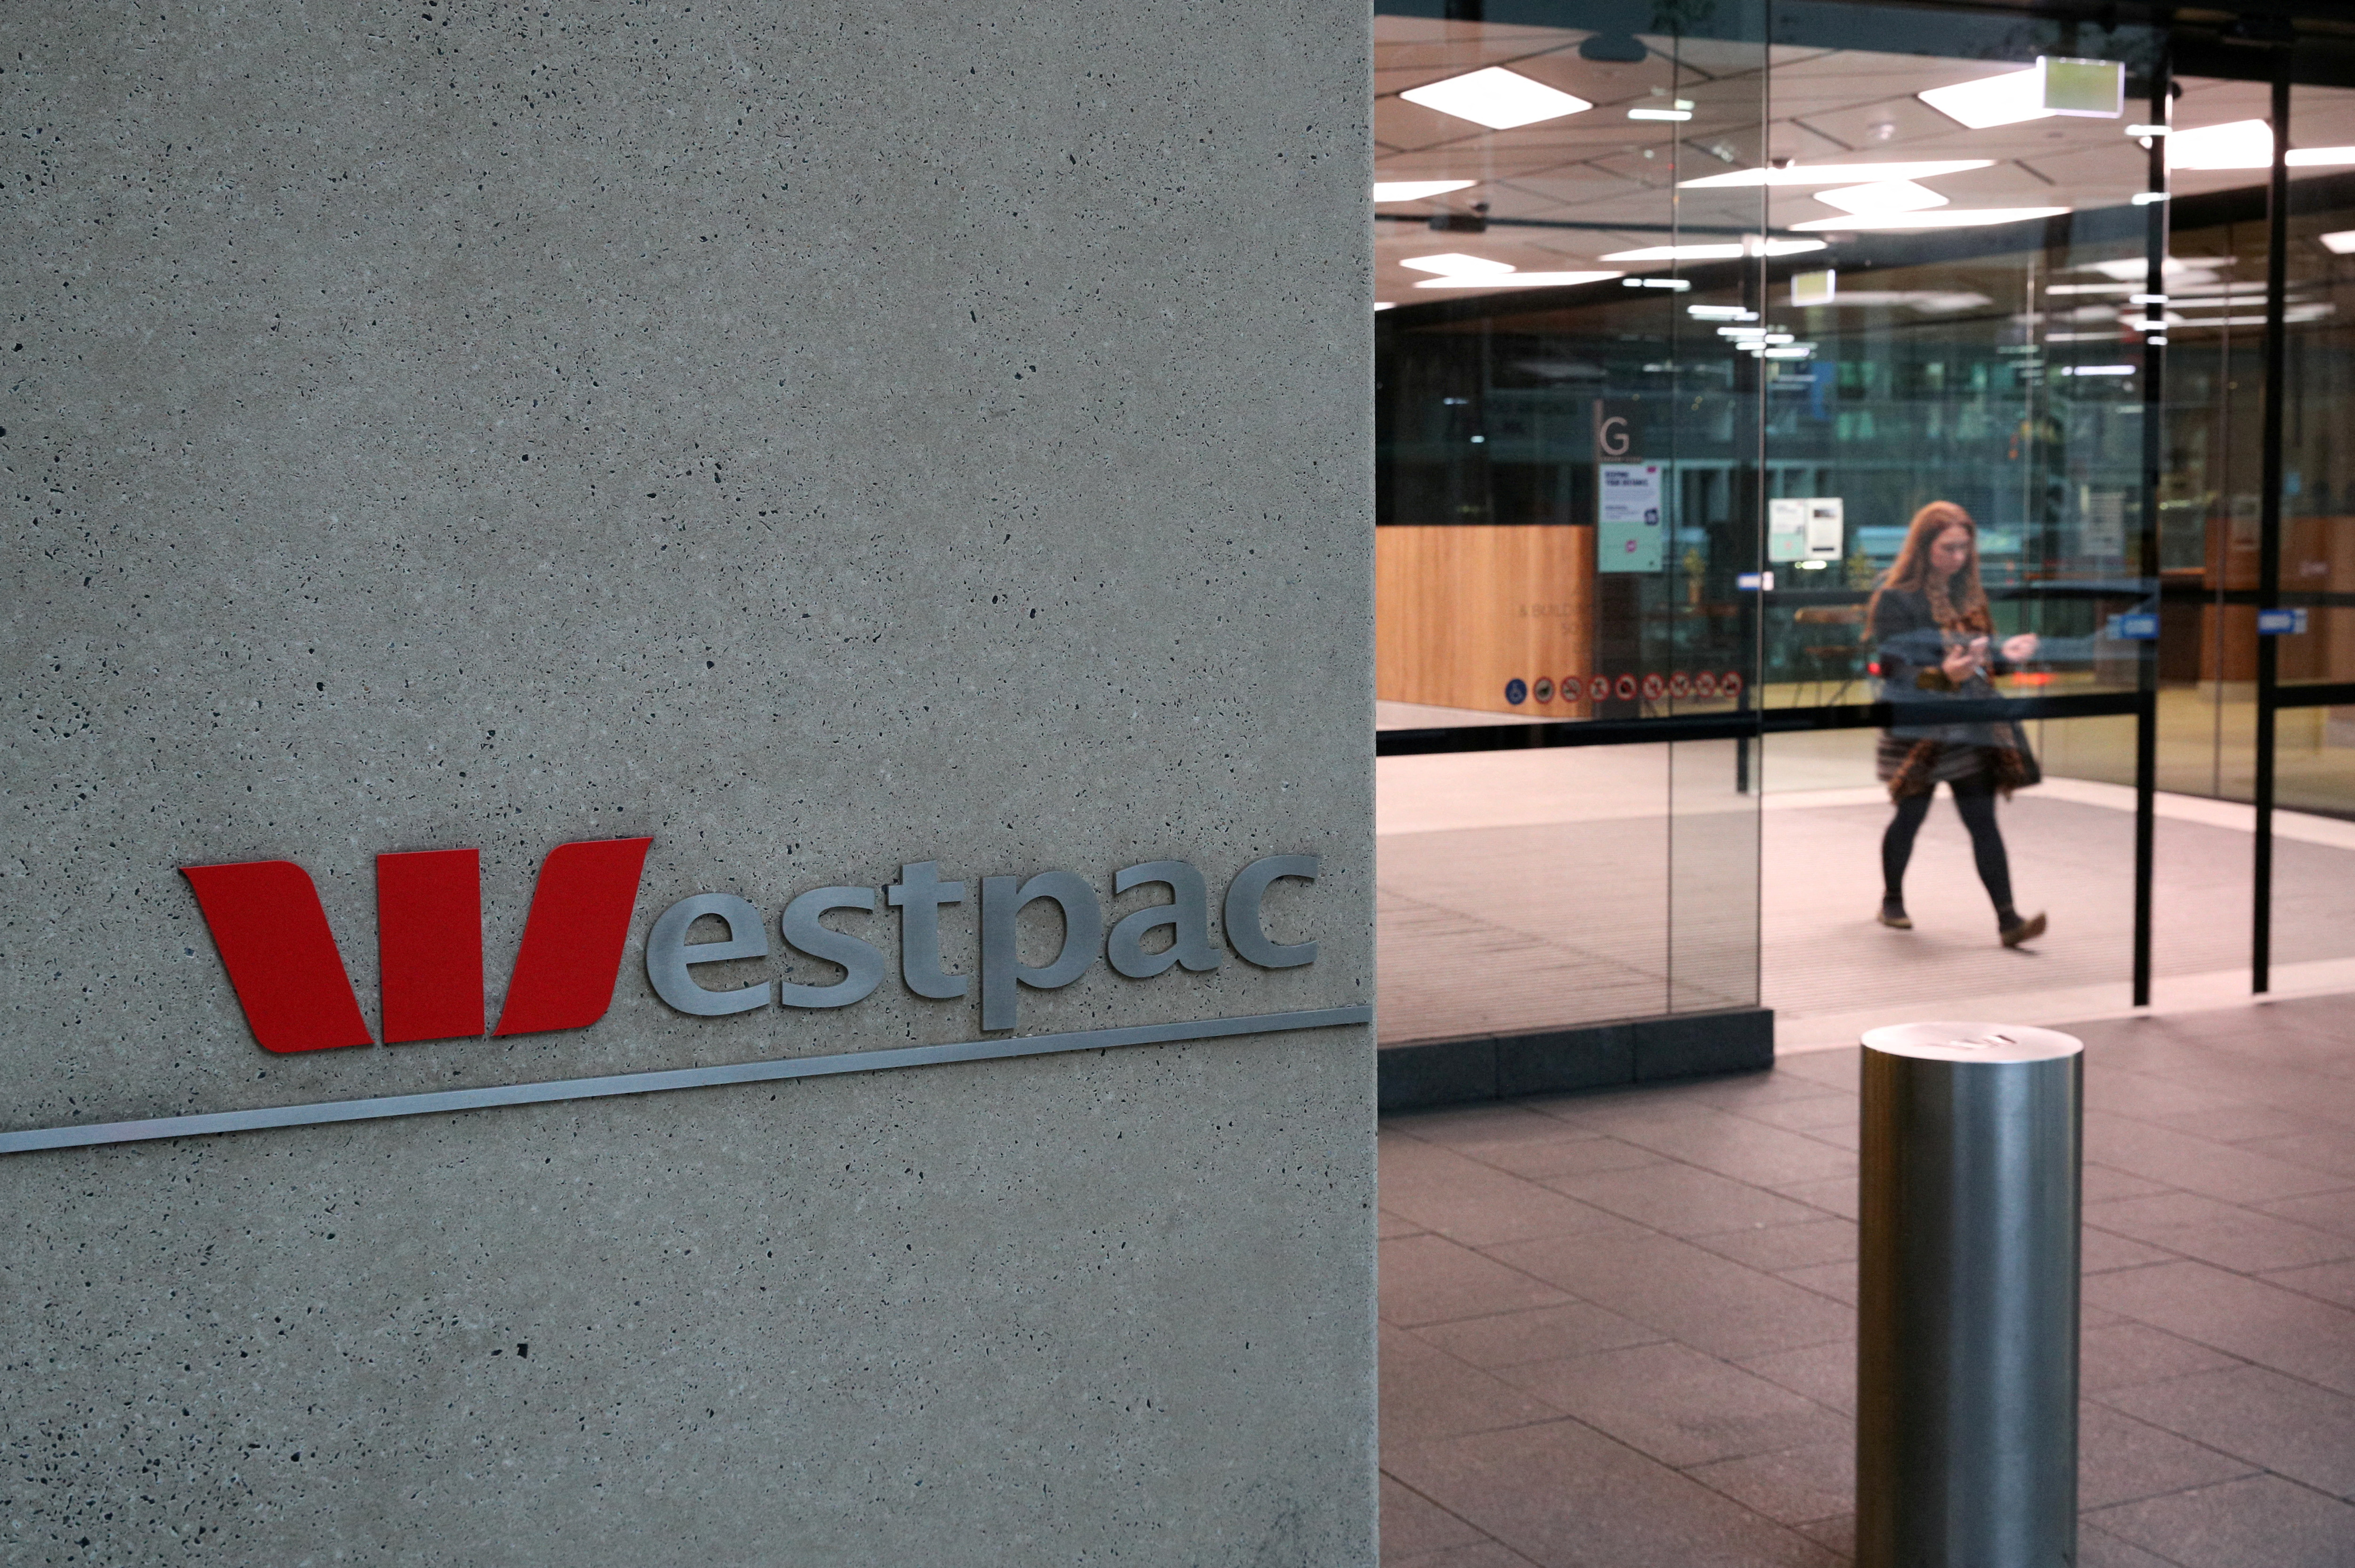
{"x":1966,"y":1306}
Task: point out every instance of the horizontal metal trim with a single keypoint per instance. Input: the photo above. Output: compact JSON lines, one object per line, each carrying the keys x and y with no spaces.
{"x":1877,"y":716}
{"x":2338,"y":693}
{"x":654,"y":1082}
{"x":1539,"y":733}
{"x":1564,"y":732}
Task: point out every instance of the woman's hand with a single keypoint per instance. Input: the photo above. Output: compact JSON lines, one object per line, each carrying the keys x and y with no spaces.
{"x":2019,"y":649}
{"x":1963,"y":660}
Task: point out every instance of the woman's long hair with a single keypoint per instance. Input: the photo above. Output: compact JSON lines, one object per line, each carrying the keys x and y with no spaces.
{"x":1959,"y":604}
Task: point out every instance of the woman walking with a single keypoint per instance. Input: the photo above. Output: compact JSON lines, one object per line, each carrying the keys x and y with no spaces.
{"x":1928,"y":621}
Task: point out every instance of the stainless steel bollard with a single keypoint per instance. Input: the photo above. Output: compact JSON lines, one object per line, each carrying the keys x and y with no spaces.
{"x":1966,"y":1306}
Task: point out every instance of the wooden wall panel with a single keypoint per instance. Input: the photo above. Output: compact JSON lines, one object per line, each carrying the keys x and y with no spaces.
{"x":1460,"y":610}
{"x":2318,"y":554}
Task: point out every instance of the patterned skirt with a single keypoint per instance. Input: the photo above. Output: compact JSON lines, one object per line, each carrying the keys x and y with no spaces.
{"x":1945,"y":762}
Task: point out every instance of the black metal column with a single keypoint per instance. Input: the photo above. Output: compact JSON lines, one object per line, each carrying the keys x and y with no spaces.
{"x":2154,"y":461}
{"x":2260,"y":920}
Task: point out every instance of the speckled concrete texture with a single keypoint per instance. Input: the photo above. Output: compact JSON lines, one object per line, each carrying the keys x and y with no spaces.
{"x":822,"y":441}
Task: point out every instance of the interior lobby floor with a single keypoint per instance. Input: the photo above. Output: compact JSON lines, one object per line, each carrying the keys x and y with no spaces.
{"x":1528,"y":890}
{"x":1618,"y":1329}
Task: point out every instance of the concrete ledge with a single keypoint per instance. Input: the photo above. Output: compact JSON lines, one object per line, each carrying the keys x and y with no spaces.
{"x":1560,"y":1061}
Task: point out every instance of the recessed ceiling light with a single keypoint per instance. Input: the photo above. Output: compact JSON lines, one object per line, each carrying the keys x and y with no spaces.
{"x":2097,"y":370}
{"x":1882,"y":196}
{"x":2245,"y":144}
{"x":1681,"y":108}
{"x":1417,"y":190}
{"x":2342,"y":243}
{"x":2198,"y":268}
{"x":1944,"y":217}
{"x":1496,"y":98}
{"x":1927,"y":302}
{"x":1835,"y":174}
{"x":1516,"y":279}
{"x":1991,"y":100}
{"x":2238,"y":144}
{"x":1749,"y":245}
{"x":1455,"y":264}
{"x":1385,"y":305}
{"x":1720,"y":313}
{"x":2081,"y":89}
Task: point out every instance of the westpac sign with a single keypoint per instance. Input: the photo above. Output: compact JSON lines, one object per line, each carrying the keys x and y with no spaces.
{"x":273,"y":937}
{"x":274,"y":940}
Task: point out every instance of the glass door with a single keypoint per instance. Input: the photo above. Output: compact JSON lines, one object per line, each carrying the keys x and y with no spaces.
{"x":1568,"y":476}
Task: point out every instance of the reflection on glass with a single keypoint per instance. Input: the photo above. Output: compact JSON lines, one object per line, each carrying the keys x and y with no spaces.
{"x":1567,"y":449}
{"x":1676,"y":338}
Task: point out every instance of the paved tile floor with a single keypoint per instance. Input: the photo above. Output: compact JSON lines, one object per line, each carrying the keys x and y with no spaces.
{"x":1618,"y":1330}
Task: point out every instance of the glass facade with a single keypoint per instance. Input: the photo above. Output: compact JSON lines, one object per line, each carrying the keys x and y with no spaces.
{"x":1686,"y":310}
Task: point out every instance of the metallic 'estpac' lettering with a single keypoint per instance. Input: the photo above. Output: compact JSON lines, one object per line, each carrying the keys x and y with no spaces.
{"x":918,"y":896}
{"x":669,"y":954}
{"x":1188,"y":914}
{"x":862,"y":966}
{"x":1002,"y":969}
{"x":1241,"y":911}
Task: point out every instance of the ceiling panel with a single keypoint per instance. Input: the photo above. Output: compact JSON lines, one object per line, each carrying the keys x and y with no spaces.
{"x":1828,"y":106}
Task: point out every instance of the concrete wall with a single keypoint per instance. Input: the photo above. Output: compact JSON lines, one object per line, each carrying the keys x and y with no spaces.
{"x":818,"y":438}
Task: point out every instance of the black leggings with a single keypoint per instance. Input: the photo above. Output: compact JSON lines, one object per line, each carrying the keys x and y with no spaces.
{"x":1975,"y":799}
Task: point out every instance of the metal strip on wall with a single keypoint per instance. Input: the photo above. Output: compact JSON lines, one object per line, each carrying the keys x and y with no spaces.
{"x":30,"y":1139}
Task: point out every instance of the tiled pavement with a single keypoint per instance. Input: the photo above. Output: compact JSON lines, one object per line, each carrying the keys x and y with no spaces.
{"x":1617,"y":1329}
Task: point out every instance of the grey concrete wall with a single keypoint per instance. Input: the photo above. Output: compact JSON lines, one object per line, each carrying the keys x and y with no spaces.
{"x":820,"y":438}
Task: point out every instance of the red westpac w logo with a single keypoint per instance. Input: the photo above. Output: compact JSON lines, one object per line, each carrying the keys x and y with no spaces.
{"x":273,"y":934}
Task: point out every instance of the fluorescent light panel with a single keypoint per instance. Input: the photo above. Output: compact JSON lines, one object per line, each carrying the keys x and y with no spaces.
{"x":1926,"y":301}
{"x":2238,"y":144}
{"x":2342,"y":243}
{"x":1882,"y":196}
{"x":1499,"y":99}
{"x":2010,"y":99}
{"x":2053,"y":85}
{"x":1835,"y":174}
{"x":1512,"y":280}
{"x":2198,"y":268}
{"x":1749,"y":245}
{"x":2245,"y":144}
{"x":1942,"y":218}
{"x":1417,"y":190}
{"x":1455,"y":264}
